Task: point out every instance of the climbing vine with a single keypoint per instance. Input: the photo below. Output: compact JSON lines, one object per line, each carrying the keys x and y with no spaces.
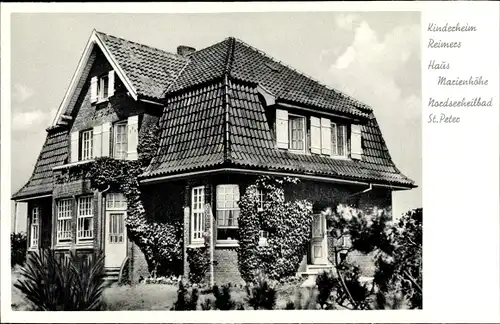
{"x":161,"y":243}
{"x":287,"y":224}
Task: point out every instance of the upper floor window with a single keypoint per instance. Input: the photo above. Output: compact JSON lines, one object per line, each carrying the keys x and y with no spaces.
{"x":297,"y":129}
{"x":120,"y":140}
{"x":228,"y":212}
{"x":85,"y":220}
{"x":339,"y":140}
{"x":64,"y":217}
{"x":197,"y":214}
{"x":103,"y":88}
{"x":86,"y":146}
{"x":35,"y":227}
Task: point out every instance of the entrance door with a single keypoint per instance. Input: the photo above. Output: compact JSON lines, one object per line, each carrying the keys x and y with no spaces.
{"x":319,"y":253}
{"x":116,"y":237}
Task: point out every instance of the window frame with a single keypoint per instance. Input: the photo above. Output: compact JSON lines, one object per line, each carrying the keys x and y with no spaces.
{"x":102,"y":87}
{"x":199,"y":212}
{"x":80,"y":219}
{"x":121,"y":155}
{"x":114,"y":205}
{"x":218,"y":208}
{"x":35,"y":227}
{"x":66,"y":218}
{"x":304,"y":133}
{"x":335,"y":146}
{"x":86,"y":153}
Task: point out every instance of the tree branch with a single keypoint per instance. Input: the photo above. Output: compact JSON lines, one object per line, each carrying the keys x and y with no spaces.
{"x":413,"y":281}
{"x":344,"y":286}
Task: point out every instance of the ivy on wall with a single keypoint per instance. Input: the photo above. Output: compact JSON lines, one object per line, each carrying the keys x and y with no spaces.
{"x":199,"y":262}
{"x":288,"y":224}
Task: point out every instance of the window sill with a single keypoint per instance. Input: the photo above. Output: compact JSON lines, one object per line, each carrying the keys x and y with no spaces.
{"x":195,"y":245}
{"x":100,"y":101}
{"x":62,"y":246}
{"x":33,"y":249}
{"x":232,"y":243}
{"x":84,"y":245}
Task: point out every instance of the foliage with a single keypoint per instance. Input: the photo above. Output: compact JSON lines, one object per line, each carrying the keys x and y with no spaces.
{"x":261,"y":294}
{"x":185,"y":299}
{"x":326,"y":283}
{"x":53,"y":282}
{"x":288,"y":226}
{"x":223,"y":299}
{"x":199,"y":262}
{"x":401,"y":269}
{"x":18,"y":246}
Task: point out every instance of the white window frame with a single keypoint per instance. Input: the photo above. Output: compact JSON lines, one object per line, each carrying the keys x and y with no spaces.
{"x":35,"y":227}
{"x":218,"y":208}
{"x":290,"y":130}
{"x":102,"y":87}
{"x":116,"y":201}
{"x":120,"y":154}
{"x":197,"y":214}
{"x":85,"y":210}
{"x":87,"y":144}
{"x":334,"y":135}
{"x":64,"y":210}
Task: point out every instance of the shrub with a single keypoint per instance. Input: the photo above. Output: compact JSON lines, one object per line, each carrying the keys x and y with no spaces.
{"x":18,"y":245}
{"x":223,"y":299}
{"x":53,"y":283}
{"x":304,"y":299}
{"x":261,"y":294}
{"x":186,"y":300}
{"x":199,"y":262}
{"x":325,"y":282}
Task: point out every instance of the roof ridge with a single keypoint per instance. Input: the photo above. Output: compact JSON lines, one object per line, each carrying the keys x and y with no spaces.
{"x":144,"y":46}
{"x":342,"y":94}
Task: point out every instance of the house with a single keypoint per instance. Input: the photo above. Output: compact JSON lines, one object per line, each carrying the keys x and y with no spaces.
{"x":227,"y":114}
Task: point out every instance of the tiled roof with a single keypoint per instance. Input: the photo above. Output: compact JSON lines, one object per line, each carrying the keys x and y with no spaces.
{"x":246,"y":63}
{"x":54,"y":152}
{"x":150,"y":70}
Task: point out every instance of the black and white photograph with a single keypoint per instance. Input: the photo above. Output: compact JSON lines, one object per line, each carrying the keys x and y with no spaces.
{"x":218,"y":161}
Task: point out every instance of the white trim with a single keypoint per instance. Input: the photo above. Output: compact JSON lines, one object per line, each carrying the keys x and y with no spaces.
{"x":326,"y":113}
{"x":151,"y":102}
{"x":93,"y":40}
{"x":200,"y":240}
{"x":33,"y":198}
{"x":269,"y":98}
{"x":273,"y":173}
{"x":69,"y":165}
{"x":304,"y":133}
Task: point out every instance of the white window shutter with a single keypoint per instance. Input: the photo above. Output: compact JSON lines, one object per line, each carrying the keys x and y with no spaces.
{"x":97,"y":142}
{"x":356,"y":148}
{"x":315,"y":135}
{"x":93,"y":89}
{"x":133,"y":137}
{"x":326,"y":136}
{"x":106,"y":139}
{"x":282,"y":128}
{"x":74,"y":146}
{"x":111,"y":83}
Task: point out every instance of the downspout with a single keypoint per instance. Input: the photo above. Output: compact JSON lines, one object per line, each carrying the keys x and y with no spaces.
{"x":15,"y":217}
{"x":212,"y":247}
{"x":370,"y":188}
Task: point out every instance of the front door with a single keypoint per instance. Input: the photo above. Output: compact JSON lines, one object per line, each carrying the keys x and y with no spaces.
{"x":319,"y":253}
{"x":115,"y":242}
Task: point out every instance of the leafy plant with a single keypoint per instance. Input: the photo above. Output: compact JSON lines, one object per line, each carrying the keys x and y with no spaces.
{"x":223,"y":299}
{"x":304,"y":299}
{"x":18,"y":246}
{"x":186,"y":300}
{"x":52,"y":282}
{"x":199,"y":261}
{"x":326,"y":283}
{"x":261,"y":294}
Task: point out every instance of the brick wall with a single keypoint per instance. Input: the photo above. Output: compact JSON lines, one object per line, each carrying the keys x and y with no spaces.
{"x":138,"y":266}
{"x":226,"y":266}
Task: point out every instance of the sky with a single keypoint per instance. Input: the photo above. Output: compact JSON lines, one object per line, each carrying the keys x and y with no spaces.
{"x":372,"y":56}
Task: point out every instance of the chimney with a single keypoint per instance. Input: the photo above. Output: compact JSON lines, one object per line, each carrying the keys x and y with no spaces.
{"x":184,"y":50}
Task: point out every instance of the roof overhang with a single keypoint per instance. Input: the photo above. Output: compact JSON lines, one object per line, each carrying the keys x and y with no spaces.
{"x":94,"y":39}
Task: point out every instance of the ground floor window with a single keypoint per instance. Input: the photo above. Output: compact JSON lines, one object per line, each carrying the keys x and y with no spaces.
{"x":85,"y":220}
{"x":35,"y":227}
{"x":197,"y":214}
{"x":64,"y":218}
{"x":228,"y":212}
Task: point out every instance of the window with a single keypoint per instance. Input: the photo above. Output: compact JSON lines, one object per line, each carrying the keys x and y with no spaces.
{"x":35,"y":227}
{"x":260,"y":200}
{"x":197,"y":214}
{"x":339,"y":140}
{"x":263,"y":237}
{"x":115,"y":201}
{"x":85,"y":220}
{"x":297,"y":129}
{"x":116,"y":227}
{"x":120,"y":141}
{"x":64,"y":215}
{"x":86,"y":145}
{"x":228,"y":212}
{"x":103,"y":87}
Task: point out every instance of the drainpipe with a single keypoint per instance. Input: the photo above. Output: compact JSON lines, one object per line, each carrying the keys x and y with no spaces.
{"x":15,"y":217}
{"x":370,"y":188}
{"x":212,"y":247}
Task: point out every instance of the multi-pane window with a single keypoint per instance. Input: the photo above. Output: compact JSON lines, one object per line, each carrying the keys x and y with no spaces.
{"x":116,"y":227}
{"x":297,"y":129}
{"x":120,"y":141}
{"x":103,"y":87}
{"x":35,"y":227}
{"x":197,"y":214}
{"x":339,"y":140}
{"x":85,"y":219}
{"x":260,"y":200}
{"x":116,"y":201}
{"x":228,"y":212}
{"x":64,"y":215}
{"x":86,"y":145}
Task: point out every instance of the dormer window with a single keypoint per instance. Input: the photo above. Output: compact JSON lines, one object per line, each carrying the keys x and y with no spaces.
{"x":297,"y":129}
{"x":339,"y":140}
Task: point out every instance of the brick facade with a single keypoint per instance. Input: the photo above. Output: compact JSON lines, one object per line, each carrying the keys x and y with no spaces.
{"x":226,"y":266}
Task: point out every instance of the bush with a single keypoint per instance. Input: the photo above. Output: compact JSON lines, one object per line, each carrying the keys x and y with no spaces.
{"x":199,"y":262}
{"x":223,"y":299}
{"x":53,"y":282}
{"x":325,"y":282}
{"x":18,"y":245}
{"x":304,"y":299}
{"x":186,"y":300}
{"x":261,"y":294}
